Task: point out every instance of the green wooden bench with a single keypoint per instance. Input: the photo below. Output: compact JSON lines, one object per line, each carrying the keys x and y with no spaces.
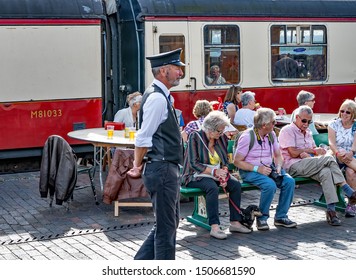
{"x":199,"y":216}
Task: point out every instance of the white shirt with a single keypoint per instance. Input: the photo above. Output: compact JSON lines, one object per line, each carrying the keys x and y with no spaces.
{"x":244,"y":116}
{"x":155,"y":112}
{"x":125,"y":116}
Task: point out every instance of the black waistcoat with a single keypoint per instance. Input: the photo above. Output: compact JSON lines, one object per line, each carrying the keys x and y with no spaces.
{"x":167,"y":140}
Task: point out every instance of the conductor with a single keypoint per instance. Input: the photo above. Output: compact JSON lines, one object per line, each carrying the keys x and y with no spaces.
{"x":159,"y":142}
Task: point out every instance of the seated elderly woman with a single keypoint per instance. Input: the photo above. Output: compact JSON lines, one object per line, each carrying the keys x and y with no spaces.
{"x":245,"y":115}
{"x":200,"y":110}
{"x":205,"y":167}
{"x":341,"y":134}
{"x":129,"y":115}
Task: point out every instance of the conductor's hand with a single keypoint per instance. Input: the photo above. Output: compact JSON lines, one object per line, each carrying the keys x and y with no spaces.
{"x":135,"y":172}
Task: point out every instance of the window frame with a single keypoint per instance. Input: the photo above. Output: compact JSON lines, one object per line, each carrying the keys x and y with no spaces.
{"x":227,"y":51}
{"x":310,"y":55}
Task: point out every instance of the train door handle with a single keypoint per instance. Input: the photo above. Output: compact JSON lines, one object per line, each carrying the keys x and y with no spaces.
{"x":194,"y":88}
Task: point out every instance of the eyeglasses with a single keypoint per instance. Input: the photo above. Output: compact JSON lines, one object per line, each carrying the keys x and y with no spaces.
{"x":311,"y":100}
{"x":273,"y":122}
{"x":220,"y":131}
{"x":306,"y":121}
{"x":347,"y":112}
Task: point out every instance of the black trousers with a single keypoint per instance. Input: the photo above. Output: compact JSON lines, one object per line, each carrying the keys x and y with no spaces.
{"x":162,"y":181}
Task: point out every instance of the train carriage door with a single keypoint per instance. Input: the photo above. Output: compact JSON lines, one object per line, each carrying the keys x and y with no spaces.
{"x":166,"y":36}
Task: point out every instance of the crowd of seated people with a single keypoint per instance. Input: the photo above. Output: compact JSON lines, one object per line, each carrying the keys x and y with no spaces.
{"x":293,"y":154}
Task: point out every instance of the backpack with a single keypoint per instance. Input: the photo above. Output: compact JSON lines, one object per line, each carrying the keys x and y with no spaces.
{"x":252,"y":137}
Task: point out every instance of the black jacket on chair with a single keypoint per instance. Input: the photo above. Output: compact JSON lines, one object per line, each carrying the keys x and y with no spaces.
{"x":58,"y":175}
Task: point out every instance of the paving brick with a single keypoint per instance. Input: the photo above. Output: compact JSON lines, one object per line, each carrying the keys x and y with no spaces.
{"x":30,"y":229}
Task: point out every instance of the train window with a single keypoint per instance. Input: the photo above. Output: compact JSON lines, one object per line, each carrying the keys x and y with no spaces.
{"x":319,"y":35}
{"x":222,"y":54}
{"x":171,"y":42}
{"x":298,"y":53}
{"x":305,"y":35}
{"x":291,"y":35}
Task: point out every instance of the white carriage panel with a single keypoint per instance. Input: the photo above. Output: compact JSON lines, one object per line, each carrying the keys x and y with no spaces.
{"x":342,"y":48}
{"x":50,"y":62}
{"x":197,"y":54}
{"x":153,"y":31}
{"x":150,"y":45}
{"x":255,"y":51}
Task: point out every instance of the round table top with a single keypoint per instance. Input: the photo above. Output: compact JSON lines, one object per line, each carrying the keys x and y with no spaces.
{"x":98,"y":136}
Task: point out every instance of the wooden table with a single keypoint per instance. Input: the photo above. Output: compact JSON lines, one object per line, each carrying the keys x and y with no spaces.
{"x":98,"y":138}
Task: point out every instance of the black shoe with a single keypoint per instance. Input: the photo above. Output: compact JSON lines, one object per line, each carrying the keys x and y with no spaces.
{"x":332,"y":218}
{"x":262,"y":225}
{"x":285,"y":222}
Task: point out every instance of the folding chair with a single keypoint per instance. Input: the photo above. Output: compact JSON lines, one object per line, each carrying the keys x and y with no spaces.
{"x":59,"y":171}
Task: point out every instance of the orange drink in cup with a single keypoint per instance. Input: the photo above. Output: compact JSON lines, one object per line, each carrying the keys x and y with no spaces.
{"x":110,"y":130}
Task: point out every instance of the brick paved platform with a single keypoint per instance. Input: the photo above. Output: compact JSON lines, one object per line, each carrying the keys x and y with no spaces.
{"x":31,"y":230}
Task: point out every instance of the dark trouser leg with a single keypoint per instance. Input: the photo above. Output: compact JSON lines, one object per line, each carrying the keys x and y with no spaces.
{"x":162,"y":182}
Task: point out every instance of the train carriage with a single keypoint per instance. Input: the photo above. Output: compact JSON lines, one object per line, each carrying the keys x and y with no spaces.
{"x":246,"y":40}
{"x":51,"y":71}
{"x":69,"y":64}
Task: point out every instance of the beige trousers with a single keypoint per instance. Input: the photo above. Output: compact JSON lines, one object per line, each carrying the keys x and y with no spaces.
{"x":323,"y":169}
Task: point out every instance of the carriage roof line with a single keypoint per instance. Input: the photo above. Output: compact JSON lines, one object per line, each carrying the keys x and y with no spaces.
{"x":51,"y":9}
{"x":248,"y":8}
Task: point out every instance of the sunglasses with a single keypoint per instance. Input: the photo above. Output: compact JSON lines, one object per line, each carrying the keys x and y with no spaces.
{"x":306,"y":121}
{"x":347,"y":112}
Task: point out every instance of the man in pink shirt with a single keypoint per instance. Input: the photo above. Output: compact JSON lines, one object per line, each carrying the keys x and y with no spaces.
{"x":303,"y":158}
{"x":254,"y":163}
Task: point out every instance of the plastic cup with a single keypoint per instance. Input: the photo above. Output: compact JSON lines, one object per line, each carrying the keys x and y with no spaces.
{"x":132,"y":135}
{"x":127,"y":132}
{"x":110,"y":131}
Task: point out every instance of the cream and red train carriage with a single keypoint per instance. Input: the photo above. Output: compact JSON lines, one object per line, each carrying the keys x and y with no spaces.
{"x":68,"y":64}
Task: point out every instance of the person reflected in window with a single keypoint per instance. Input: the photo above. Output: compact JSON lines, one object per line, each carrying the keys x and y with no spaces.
{"x":215,"y":77}
{"x":129,"y":115}
{"x":286,"y":67}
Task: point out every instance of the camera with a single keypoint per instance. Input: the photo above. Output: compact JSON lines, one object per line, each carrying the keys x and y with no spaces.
{"x":278,"y":178}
